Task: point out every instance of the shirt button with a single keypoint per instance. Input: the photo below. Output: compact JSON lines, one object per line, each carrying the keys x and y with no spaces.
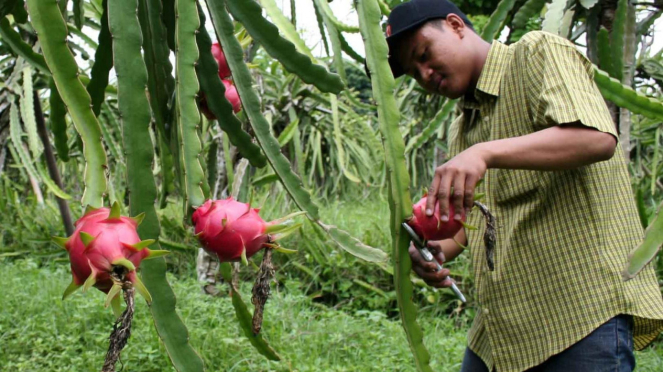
{"x":486,"y":118}
{"x":486,"y":311}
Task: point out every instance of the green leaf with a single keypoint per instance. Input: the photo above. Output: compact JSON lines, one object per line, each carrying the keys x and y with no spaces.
{"x":604,"y":51}
{"x":79,"y":13}
{"x":160,"y":81}
{"x":20,"y":47}
{"x":115,"y":212}
{"x":249,"y":13}
{"x":340,"y":152}
{"x":617,"y":39}
{"x":103,"y":63}
{"x":157,"y":253}
{"x":70,"y":289}
{"x":245,"y":318}
{"x":286,"y":135}
{"x":624,"y":96}
{"x":292,"y":183}
{"x":639,"y":257}
{"x":60,"y":241}
{"x":333,"y":33}
{"x":642,"y":210}
{"x":265,"y":180}
{"x":15,"y":133}
{"x":400,"y":202}
{"x":51,"y":30}
{"x":420,"y":139}
{"x":143,"y":244}
{"x":19,"y":13}
{"x":329,"y":14}
{"x":496,"y":20}
{"x":215,"y":91}
{"x":553,"y":17}
{"x":112,"y":293}
{"x":89,"y":282}
{"x":285,"y":26}
{"x":28,"y":114}
{"x":135,"y":109}
{"x":6,"y":7}
{"x":140,"y":287}
{"x":125,"y":263}
{"x":57,"y":121}
{"x":50,"y":184}
{"x":321,"y":27}
{"x":657,"y":158}
{"x":86,"y":238}
{"x":228,"y":162}
{"x":186,"y":88}
{"x":527,"y":11}
{"x":345,"y":47}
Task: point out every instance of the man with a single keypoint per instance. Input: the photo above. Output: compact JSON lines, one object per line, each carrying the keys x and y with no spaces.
{"x":535,"y":128}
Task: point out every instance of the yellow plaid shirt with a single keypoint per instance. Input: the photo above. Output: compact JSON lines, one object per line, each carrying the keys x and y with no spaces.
{"x":562,"y":237}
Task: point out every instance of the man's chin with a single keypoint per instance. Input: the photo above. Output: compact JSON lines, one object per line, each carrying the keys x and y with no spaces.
{"x":451,"y":94}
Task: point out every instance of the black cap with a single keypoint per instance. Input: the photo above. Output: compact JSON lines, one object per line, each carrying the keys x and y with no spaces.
{"x":408,"y":16}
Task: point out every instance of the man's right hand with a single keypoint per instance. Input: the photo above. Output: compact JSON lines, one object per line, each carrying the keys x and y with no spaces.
{"x":428,"y":270}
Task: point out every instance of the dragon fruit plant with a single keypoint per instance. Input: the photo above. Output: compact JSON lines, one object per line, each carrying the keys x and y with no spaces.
{"x":105,"y":251}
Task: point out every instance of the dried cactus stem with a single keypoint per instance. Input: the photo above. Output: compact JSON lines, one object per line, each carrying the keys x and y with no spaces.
{"x":261,"y":289}
{"x":122,"y":327}
{"x":490,"y":236}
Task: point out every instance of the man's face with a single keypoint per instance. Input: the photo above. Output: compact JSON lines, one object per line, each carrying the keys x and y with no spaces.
{"x":437,"y":59}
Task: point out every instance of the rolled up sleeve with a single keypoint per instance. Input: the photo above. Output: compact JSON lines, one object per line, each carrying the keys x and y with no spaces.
{"x":567,"y":93}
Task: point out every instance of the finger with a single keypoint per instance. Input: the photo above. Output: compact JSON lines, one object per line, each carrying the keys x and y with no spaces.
{"x":459,"y":195}
{"x":429,"y":274}
{"x":439,"y":256}
{"x":470,"y":186}
{"x":435,"y":249}
{"x":416,"y":258}
{"x":443,"y":195}
{"x":432,"y":194}
{"x":446,"y":283}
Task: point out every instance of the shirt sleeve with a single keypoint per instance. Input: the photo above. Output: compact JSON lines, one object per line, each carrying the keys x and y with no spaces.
{"x":561,"y":85}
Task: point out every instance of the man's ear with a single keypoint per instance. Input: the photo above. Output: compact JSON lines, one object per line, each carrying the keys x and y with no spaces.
{"x":456,"y":24}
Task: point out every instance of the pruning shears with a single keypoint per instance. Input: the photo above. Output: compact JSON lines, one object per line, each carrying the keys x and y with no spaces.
{"x":428,"y":257}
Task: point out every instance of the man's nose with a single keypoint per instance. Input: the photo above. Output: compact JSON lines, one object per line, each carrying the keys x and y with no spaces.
{"x":425,"y":72}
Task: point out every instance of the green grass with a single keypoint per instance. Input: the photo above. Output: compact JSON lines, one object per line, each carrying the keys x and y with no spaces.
{"x":40,"y":332}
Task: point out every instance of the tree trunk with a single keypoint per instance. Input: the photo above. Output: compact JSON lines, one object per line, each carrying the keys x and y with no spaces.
{"x":52,"y":165}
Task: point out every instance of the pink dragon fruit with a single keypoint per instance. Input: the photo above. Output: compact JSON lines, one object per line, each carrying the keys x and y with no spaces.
{"x":235,"y":231}
{"x":232,"y":96}
{"x":220,"y":57}
{"x":105,"y":241}
{"x":433,"y":228}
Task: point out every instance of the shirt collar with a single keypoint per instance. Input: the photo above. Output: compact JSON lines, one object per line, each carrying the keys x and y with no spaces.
{"x":491,"y":74}
{"x":493,"y":69}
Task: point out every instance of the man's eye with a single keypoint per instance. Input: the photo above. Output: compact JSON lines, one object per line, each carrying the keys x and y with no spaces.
{"x":424,"y":56}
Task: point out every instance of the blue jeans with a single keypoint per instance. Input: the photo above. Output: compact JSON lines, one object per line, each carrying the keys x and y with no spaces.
{"x":609,"y":348}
